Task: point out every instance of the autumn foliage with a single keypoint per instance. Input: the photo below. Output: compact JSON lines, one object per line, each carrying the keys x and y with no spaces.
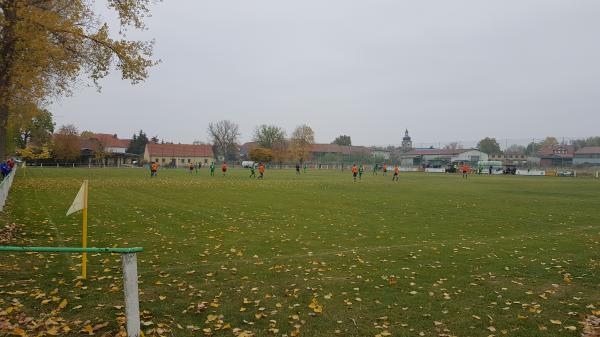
{"x":261,"y":154}
{"x":46,"y":46}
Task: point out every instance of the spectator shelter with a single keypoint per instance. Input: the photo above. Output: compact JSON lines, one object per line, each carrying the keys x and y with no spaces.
{"x":442,"y":157}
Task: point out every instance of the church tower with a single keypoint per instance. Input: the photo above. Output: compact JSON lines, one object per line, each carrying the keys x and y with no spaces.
{"x":406,"y":142}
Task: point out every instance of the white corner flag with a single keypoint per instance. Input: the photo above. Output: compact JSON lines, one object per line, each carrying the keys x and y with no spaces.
{"x":79,"y":203}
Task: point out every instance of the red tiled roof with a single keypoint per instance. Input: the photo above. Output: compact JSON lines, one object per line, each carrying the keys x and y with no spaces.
{"x":549,"y":151}
{"x":589,"y":150}
{"x":108,"y":140}
{"x":437,"y":152}
{"x":179,"y":150}
{"x":89,"y":144}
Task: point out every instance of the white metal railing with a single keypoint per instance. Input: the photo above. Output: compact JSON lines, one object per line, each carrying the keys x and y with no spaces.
{"x":130,"y":277}
{"x":5,"y":187}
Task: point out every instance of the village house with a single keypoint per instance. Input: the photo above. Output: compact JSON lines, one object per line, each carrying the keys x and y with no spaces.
{"x":88,"y":148}
{"x":112,"y":151}
{"x":557,"y":155}
{"x":510,"y":158}
{"x":178,"y":155}
{"x":589,"y":155}
{"x":105,"y":149}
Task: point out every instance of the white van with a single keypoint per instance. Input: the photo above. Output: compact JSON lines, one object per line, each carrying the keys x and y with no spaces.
{"x":247,"y":163}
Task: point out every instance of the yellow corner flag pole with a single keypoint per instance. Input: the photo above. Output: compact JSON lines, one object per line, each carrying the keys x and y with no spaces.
{"x":84,"y":241}
{"x":81,"y":204}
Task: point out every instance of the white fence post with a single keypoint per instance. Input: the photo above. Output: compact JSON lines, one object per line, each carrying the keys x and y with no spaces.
{"x":5,"y":187}
{"x":130,"y":287}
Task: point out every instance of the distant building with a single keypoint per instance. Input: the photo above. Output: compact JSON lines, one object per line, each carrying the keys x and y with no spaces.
{"x":557,"y":155}
{"x":589,"y":155}
{"x":88,"y":148}
{"x":177,"y":155}
{"x":469,"y":156}
{"x":111,"y":143}
{"x":106,"y":149}
{"x":246,"y":148}
{"x":333,"y":152}
{"x":383,"y":154}
{"x":510,"y":158}
{"x":442,"y":157}
{"x":407,"y":144}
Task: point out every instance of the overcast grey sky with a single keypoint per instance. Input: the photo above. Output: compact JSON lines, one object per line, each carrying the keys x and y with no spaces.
{"x":446,"y":70}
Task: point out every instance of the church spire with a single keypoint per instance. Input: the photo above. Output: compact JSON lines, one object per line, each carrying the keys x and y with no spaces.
{"x":406,"y":142}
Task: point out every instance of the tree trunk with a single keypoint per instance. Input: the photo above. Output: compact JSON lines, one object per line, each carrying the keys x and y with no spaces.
{"x":3,"y":130}
{"x":7,"y":51}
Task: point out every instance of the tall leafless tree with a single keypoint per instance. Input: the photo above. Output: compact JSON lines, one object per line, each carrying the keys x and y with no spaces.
{"x":224,"y":138}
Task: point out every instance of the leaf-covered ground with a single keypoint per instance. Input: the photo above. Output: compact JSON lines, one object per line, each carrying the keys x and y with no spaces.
{"x":315,"y":255}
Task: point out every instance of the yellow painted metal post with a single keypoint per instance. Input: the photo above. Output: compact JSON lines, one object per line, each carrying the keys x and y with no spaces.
{"x":84,"y":241}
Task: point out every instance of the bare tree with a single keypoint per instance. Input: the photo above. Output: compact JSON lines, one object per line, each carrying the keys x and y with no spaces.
{"x":453,"y":146}
{"x":224,"y":138}
{"x":302,"y":138}
{"x":515,"y":148}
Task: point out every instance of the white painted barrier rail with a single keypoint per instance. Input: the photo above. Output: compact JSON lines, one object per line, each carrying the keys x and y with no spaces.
{"x":130,"y":277}
{"x":531,"y":173}
{"x":5,"y":187}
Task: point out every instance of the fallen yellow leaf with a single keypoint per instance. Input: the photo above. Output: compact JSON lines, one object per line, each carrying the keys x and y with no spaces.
{"x":88,"y":328}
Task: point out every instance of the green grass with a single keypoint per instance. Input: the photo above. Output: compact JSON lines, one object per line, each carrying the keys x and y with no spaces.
{"x":487,"y":256}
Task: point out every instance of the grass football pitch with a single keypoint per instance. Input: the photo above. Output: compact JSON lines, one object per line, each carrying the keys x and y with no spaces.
{"x":308,"y":255}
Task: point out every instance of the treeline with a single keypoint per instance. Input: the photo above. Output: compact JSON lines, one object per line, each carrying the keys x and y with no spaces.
{"x":272,"y":143}
{"x":32,"y":136}
{"x":491,"y":145}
